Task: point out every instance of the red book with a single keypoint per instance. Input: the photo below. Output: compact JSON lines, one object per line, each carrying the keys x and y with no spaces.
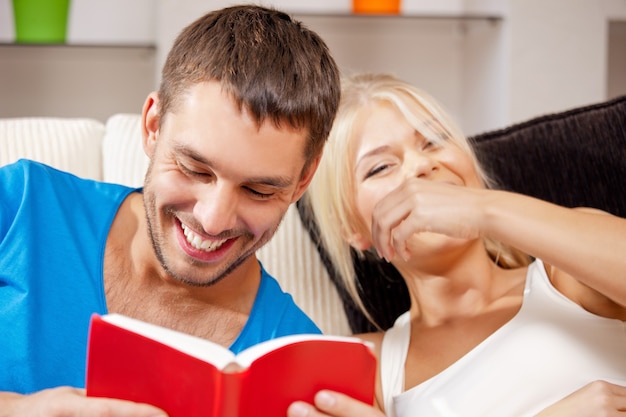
{"x":188,"y":376}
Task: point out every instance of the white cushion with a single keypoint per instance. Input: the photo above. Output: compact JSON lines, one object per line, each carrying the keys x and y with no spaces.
{"x":123,"y":158}
{"x":72,"y":145}
{"x":291,"y":257}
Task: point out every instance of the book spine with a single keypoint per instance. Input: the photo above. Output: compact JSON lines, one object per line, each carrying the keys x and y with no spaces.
{"x":230,"y":393}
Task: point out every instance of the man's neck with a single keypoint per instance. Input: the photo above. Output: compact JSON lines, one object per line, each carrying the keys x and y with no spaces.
{"x":137,"y":286}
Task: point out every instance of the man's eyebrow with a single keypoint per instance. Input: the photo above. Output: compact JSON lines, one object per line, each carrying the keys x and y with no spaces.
{"x":190,"y":153}
{"x":274,"y":182}
{"x":269,"y":181}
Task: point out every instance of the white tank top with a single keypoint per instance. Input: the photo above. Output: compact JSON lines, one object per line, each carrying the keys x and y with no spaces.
{"x":549,"y":349}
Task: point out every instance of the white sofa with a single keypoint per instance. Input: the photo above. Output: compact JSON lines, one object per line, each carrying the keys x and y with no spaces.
{"x":112,"y":152}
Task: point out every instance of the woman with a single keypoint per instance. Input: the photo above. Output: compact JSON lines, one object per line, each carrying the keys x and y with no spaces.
{"x":515,"y":302}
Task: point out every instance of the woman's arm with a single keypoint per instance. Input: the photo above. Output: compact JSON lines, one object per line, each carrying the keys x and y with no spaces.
{"x":586,"y":244}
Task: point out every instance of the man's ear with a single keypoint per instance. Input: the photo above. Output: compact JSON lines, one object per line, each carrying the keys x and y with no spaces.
{"x":306,"y":178}
{"x":150,"y":123}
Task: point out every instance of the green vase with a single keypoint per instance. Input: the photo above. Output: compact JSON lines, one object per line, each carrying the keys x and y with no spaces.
{"x":41,"y":21}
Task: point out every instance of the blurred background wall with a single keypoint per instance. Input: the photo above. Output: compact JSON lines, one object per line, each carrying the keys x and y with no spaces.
{"x":490,"y":62}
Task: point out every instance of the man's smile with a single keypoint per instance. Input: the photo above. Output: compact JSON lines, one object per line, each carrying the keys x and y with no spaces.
{"x":199,"y":243}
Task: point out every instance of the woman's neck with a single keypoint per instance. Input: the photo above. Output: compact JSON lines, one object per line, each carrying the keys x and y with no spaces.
{"x":457,"y":287}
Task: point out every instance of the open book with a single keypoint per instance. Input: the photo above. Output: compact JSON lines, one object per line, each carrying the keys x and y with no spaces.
{"x":188,"y":376}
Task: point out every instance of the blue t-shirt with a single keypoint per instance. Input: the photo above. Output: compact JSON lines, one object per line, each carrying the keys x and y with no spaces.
{"x":53,"y":232}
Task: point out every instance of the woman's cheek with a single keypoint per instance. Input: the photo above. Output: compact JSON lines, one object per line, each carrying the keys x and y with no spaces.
{"x":367,"y":199}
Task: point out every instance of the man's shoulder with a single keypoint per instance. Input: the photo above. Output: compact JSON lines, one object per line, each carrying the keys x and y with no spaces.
{"x":22,"y":169}
{"x":39,"y":174}
{"x":281,"y":304}
{"x":29,"y":166}
{"x":28,"y":186}
{"x":274,"y":314}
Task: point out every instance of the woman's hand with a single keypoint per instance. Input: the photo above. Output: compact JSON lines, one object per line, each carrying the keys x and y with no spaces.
{"x":329,"y":403}
{"x":418,"y":206}
{"x":597,"y":399}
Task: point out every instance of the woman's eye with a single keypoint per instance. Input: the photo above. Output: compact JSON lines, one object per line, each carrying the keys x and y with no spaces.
{"x":377,"y":169}
{"x":434,"y":144}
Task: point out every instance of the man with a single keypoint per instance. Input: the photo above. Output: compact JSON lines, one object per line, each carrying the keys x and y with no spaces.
{"x":234,"y":135}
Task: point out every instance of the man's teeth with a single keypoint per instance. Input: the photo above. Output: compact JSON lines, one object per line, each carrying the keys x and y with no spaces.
{"x":197,"y":242}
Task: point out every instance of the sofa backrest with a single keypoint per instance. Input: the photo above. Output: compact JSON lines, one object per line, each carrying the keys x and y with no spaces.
{"x":72,"y":145}
{"x":123,"y":158}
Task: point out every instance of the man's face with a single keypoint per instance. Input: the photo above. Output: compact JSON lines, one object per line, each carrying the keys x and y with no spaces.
{"x":218,"y":185}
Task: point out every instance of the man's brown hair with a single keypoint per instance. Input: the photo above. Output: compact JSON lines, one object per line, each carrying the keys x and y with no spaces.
{"x":270,"y":63}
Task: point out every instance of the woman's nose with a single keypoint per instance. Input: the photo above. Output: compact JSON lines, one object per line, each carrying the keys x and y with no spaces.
{"x":419,"y":164}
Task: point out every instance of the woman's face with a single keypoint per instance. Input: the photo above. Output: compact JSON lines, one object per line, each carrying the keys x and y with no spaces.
{"x":389,"y":150}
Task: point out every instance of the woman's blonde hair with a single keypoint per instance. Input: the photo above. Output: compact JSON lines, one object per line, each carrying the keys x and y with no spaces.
{"x":331,"y":196}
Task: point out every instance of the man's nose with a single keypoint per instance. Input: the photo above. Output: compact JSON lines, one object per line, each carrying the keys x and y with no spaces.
{"x":216,"y":208}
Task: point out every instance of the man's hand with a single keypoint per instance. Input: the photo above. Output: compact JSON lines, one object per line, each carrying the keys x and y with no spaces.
{"x":70,"y":402}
